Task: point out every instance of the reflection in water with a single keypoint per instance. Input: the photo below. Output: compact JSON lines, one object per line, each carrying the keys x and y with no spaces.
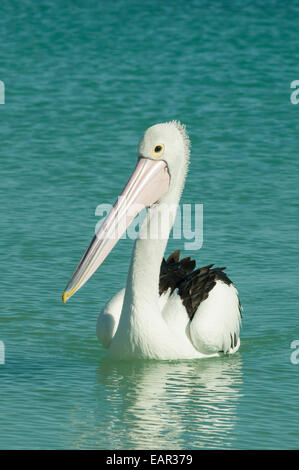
{"x":164,"y":405}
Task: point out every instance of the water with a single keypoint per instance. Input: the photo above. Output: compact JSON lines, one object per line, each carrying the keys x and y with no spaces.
{"x":83,"y":82}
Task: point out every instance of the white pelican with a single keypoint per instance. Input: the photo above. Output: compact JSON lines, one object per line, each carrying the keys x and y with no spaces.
{"x":168,"y":310}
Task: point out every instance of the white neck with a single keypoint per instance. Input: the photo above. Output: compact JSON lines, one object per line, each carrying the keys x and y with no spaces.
{"x":144,"y":273}
{"x":141,"y":325}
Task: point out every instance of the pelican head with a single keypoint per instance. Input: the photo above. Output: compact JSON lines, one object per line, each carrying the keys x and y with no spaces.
{"x":168,"y":142}
{"x":163,"y":156}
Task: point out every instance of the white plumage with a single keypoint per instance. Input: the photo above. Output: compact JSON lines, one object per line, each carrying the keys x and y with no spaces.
{"x":138,"y":322}
{"x":207,"y":335}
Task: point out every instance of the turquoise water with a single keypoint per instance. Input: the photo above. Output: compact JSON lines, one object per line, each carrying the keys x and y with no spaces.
{"x":83,"y":82}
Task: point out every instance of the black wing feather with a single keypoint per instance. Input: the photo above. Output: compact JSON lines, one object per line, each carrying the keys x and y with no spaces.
{"x":193,"y":285}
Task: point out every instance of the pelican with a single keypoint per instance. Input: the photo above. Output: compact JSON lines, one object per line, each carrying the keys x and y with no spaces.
{"x":168,"y":310}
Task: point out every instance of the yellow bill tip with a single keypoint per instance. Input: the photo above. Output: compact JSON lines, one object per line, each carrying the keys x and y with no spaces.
{"x":64,"y":297}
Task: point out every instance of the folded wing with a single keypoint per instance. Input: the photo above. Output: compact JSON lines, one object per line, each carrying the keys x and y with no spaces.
{"x":211,"y":302}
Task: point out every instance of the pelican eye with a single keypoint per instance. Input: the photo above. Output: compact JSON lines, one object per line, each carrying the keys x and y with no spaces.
{"x":158,"y":150}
